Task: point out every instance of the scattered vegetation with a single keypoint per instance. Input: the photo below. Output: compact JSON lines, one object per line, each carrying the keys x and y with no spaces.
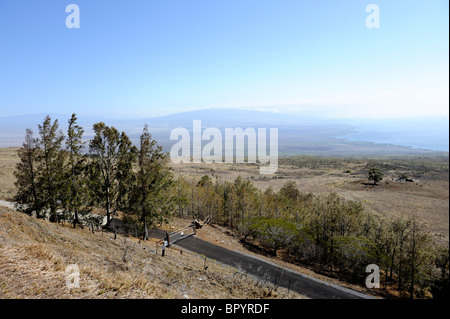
{"x":325,"y":232}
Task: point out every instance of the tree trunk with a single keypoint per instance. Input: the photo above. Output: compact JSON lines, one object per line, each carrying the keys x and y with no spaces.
{"x":108,"y":214}
{"x":413,"y":271}
{"x":145,"y":235}
{"x":392,"y":265}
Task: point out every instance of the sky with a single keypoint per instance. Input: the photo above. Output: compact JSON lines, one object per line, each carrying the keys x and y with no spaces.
{"x":145,"y":58}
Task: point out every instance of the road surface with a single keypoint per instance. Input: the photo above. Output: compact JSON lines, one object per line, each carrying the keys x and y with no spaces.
{"x":303,"y":284}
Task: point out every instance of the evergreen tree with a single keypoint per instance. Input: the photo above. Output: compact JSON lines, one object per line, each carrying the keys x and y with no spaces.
{"x":51,"y":164}
{"x":440,"y":285}
{"x":288,"y":198}
{"x":104,"y":150}
{"x":419,"y":258}
{"x":375,"y":175}
{"x":248,"y":202}
{"x":126,"y":178}
{"x":182,"y":196}
{"x":153,"y":194}
{"x":400,"y":228}
{"x":76,"y":192}
{"x":26,"y":174}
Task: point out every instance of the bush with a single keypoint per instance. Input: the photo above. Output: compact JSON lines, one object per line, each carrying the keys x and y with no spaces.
{"x":272,"y":232}
{"x":354,"y":254}
{"x":375,"y":175}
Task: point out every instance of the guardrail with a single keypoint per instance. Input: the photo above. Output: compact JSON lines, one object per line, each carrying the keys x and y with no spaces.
{"x":180,"y":234}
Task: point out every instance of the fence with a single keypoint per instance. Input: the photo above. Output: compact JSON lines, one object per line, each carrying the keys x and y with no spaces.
{"x":180,"y":234}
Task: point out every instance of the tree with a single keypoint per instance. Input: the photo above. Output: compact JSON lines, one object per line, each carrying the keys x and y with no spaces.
{"x":375,"y":175}
{"x":27,"y":175}
{"x":269,"y":202}
{"x":290,"y":190}
{"x":205,"y":181}
{"x":126,"y":177}
{"x":209,"y":198}
{"x":353,"y":254}
{"x":288,"y":198}
{"x":51,"y":163}
{"x":399,"y":227}
{"x":440,"y":285}
{"x":330,"y":216}
{"x":105,"y":149}
{"x":419,"y":259}
{"x":76,"y":181}
{"x":385,"y":239}
{"x":273,"y":232}
{"x":248,"y":202}
{"x":152,"y":195}
{"x":229,"y":204}
{"x":182,"y":196}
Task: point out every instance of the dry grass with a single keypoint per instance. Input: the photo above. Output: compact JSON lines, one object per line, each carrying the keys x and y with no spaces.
{"x":34,"y":255}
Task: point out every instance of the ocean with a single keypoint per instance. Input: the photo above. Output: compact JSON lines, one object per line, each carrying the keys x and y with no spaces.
{"x":429,"y":134}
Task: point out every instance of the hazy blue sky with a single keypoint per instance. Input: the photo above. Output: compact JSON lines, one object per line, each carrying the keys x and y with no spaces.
{"x":145,"y":58}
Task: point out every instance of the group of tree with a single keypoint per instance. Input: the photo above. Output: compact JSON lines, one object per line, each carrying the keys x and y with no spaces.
{"x":326,"y":232}
{"x":67,"y":178}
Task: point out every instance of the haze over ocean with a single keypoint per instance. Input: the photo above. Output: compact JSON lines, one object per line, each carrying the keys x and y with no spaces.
{"x":431,"y":134}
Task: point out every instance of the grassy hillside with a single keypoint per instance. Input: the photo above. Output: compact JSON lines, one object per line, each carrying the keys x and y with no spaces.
{"x":34,"y":255}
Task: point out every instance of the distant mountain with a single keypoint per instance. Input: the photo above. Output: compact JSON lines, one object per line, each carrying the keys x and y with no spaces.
{"x":299,"y":134}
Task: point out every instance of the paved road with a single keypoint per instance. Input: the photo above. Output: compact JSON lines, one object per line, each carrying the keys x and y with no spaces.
{"x":7,"y":204}
{"x":303,"y":284}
